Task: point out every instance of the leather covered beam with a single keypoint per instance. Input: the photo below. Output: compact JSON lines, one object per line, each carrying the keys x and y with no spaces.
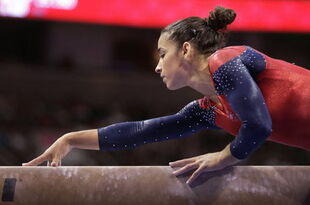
{"x":153,"y":185}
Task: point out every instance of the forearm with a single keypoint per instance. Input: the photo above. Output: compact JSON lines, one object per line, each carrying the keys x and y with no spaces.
{"x":129,"y":135}
{"x":86,"y":139}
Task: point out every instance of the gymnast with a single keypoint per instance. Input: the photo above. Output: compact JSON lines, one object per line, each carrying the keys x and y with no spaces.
{"x":246,"y":93}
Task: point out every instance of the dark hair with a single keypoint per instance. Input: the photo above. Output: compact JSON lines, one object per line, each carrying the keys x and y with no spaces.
{"x":207,"y":34}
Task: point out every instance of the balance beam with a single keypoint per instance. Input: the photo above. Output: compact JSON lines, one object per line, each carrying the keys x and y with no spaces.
{"x":153,"y":185}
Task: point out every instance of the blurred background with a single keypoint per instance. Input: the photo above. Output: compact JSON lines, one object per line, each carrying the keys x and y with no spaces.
{"x":68,"y":65}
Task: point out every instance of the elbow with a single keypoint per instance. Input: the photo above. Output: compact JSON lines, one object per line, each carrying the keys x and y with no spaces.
{"x":267,"y":127}
{"x":263,"y":129}
{"x":266,"y":131}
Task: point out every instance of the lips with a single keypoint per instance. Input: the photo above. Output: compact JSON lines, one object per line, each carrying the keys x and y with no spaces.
{"x":163,"y":78}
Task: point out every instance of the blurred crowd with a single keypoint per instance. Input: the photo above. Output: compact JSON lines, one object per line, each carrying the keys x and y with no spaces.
{"x":28,"y":128}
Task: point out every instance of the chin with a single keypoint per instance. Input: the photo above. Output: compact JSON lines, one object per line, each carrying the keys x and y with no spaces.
{"x":173,"y":87}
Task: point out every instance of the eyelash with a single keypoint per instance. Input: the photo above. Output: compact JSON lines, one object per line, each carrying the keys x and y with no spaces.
{"x":162,"y":56}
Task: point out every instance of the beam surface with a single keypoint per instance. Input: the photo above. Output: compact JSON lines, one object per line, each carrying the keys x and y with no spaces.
{"x":154,"y":185}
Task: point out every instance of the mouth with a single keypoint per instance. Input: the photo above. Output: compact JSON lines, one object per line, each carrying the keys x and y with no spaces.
{"x":164,"y":79}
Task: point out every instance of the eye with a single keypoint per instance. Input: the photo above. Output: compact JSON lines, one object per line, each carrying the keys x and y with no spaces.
{"x":162,"y":55}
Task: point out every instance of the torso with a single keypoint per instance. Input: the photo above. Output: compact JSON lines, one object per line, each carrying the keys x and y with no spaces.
{"x":286,"y":90}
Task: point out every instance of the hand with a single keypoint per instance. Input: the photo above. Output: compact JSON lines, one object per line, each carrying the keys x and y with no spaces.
{"x":53,"y":154}
{"x":207,"y":162}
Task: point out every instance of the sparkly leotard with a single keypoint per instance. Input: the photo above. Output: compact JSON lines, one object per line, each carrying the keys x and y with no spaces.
{"x":260,"y":98}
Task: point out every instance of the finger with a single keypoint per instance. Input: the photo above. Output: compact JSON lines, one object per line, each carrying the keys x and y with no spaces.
{"x":56,"y":162}
{"x":40,"y":159}
{"x":195,"y":175}
{"x":181,"y":163}
{"x":185,"y":169}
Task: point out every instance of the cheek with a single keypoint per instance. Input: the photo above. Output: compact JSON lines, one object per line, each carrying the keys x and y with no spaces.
{"x":170,"y":65}
{"x":175,"y":77}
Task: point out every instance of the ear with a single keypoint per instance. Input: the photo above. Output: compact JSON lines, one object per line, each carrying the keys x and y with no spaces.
{"x":187,"y":50}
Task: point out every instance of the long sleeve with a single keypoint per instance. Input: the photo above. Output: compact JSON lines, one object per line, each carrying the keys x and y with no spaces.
{"x":127,"y":135}
{"x":234,"y":81}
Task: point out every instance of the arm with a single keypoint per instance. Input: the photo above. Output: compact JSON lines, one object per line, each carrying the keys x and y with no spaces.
{"x":191,"y":119}
{"x":235,"y":82}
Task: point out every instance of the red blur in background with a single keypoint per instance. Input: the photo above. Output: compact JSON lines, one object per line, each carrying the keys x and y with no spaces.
{"x":252,"y":15}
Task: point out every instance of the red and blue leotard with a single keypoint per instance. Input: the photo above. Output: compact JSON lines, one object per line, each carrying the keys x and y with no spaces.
{"x":260,"y":98}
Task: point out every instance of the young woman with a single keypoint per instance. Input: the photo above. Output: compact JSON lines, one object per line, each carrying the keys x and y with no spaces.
{"x":247,"y":94}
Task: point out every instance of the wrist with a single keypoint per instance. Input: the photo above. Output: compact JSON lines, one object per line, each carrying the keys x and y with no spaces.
{"x":227,"y":158}
{"x":68,"y":139}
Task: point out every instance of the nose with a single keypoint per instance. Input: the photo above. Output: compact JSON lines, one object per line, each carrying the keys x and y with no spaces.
{"x":158,"y":69}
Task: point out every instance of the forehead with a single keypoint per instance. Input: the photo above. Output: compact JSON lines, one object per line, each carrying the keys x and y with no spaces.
{"x":165,"y":42}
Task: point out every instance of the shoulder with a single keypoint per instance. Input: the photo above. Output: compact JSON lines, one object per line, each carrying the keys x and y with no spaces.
{"x":223,"y":55}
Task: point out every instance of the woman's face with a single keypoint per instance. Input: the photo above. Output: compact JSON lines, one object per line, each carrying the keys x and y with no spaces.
{"x":170,"y":65}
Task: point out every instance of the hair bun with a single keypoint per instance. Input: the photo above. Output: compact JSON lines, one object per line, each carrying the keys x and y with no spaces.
{"x":220,"y":18}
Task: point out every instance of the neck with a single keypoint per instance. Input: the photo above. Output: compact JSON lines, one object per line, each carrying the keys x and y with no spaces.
{"x":200,"y":77}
